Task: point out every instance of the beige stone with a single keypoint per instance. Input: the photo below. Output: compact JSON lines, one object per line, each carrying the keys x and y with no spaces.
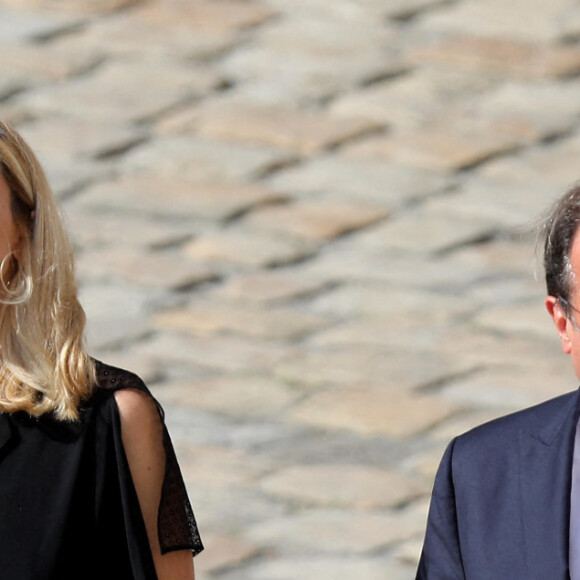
{"x":174,"y":197}
{"x":93,"y":230}
{"x":527,"y":319}
{"x":436,"y":148}
{"x":324,"y":568}
{"x":424,"y":232}
{"x":509,"y":388}
{"x":214,"y":16}
{"x":500,"y":55}
{"x":82,"y":138}
{"x":223,"y":551}
{"x":356,"y":486}
{"x":247,"y":397}
{"x":190,"y":158}
{"x":95,"y":7}
{"x":157,"y":270}
{"x":246,"y":248}
{"x":121,"y":90}
{"x":229,"y":354}
{"x":416,"y":99}
{"x":215,"y":318}
{"x":303,"y":132}
{"x":372,"y":411}
{"x":410,"y":551}
{"x":341,"y":177}
{"x":310,"y":368}
{"x":344,"y":532}
{"x":46,"y":63}
{"x":213,"y":465}
{"x":266,"y":287}
{"x":405,"y":9}
{"x":315,"y":220}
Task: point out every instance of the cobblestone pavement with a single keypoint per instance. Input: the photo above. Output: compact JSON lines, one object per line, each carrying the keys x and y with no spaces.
{"x":307,"y":224}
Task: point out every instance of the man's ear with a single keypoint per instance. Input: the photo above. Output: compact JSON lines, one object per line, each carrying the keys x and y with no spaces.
{"x":561,"y":322}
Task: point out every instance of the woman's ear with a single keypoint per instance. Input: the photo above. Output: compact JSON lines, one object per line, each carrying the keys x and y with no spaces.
{"x":561,"y":322}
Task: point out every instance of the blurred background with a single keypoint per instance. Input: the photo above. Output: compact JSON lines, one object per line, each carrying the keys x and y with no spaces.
{"x":308,"y":225}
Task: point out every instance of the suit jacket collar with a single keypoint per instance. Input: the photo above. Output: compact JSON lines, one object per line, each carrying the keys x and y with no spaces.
{"x":545,"y":470}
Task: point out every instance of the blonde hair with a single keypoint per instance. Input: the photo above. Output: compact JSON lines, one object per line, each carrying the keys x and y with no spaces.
{"x":44,"y":367}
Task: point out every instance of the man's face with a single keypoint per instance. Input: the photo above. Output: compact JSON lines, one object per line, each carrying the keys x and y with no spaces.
{"x":568,"y":327}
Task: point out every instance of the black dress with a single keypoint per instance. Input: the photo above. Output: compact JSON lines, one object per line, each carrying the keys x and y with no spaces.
{"x":68,"y":506}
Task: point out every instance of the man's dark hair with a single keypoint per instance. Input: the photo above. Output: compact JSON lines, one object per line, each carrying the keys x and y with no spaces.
{"x":559,"y":231}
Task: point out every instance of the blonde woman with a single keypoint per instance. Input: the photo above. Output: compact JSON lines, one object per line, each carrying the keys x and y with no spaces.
{"x":89,"y":484}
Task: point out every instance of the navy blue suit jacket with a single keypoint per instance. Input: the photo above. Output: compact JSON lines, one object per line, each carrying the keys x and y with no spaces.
{"x":500,"y":508}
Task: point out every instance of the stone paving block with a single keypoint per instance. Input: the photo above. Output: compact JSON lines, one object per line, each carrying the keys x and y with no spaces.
{"x":121,"y":91}
{"x":510,"y":205}
{"x":302,"y":61}
{"x":497,"y":55}
{"x":406,"y":9}
{"x":350,"y":262}
{"x":527,"y":319}
{"x":203,"y":160}
{"x":229,"y":354}
{"x":115,"y":315}
{"x":90,"y":230}
{"x":542,"y":22}
{"x":84,"y":138}
{"x":413,"y":100}
{"x":310,"y":369}
{"x":512,"y":388}
{"x":528,"y":111}
{"x":245,"y":397}
{"x":485,"y":348}
{"x":41,"y":63}
{"x":267,"y":287}
{"x":373,"y":300}
{"x":215,"y":16}
{"x":342,"y":177}
{"x":303,"y":132}
{"x":504,"y":258}
{"x":122,"y":34}
{"x":369,"y":568}
{"x":360,"y":486}
{"x":372,"y":411}
{"x":569,"y":28}
{"x":444,"y":432}
{"x":11,"y":83}
{"x":215,"y":466}
{"x":18,"y":26}
{"x":151,"y":194}
{"x":424,"y":232}
{"x":222,"y":551}
{"x":93,"y":8}
{"x":68,"y":177}
{"x":217,"y":318}
{"x":159,"y":270}
{"x":551,"y":166}
{"x":344,"y":532}
{"x":437,"y":148}
{"x":502,"y":292}
{"x":316,"y":220}
{"x":410,"y":551}
{"x":247,"y":248}
{"x":413,"y":331}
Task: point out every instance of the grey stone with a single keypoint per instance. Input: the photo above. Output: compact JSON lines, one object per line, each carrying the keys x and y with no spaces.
{"x":357,"y":180}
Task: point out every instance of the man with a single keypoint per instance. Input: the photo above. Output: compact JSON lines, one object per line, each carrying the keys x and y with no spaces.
{"x":506,"y":499}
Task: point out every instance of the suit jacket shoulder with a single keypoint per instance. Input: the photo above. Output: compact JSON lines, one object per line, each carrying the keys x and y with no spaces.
{"x":500,"y":504}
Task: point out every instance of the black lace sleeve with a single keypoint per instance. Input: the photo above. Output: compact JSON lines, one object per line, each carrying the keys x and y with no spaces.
{"x":176,"y":525}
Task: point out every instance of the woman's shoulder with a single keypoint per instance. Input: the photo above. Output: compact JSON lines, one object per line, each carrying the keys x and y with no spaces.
{"x":128,"y":391}
{"x":112,"y":378}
